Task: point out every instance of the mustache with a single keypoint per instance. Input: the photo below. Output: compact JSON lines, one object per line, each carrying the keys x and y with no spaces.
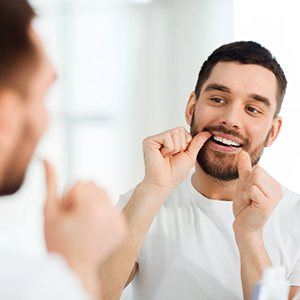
{"x":222,"y":129}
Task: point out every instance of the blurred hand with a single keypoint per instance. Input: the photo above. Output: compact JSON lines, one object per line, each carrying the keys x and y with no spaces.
{"x":169,"y":156}
{"x":256,"y":196}
{"x":82,"y":226}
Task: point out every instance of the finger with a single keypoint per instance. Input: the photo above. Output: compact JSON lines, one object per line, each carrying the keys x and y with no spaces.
{"x":180,"y":134}
{"x":188,"y":136}
{"x":265,"y":183}
{"x":51,"y":196}
{"x":167,"y":145}
{"x":177,"y":143}
{"x":257,"y":196}
{"x":183,"y":138}
{"x":197,"y":143}
{"x":73,"y":195}
{"x":244,"y":166}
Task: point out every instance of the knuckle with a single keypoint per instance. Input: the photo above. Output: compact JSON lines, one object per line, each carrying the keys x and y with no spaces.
{"x":146,"y":141}
{"x":168,"y":136}
{"x":75,"y":188}
{"x":256,"y":177}
{"x":252,"y":190}
{"x":175,"y":131}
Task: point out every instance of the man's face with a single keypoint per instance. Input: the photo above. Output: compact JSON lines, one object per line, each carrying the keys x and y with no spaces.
{"x":237,"y":105}
{"x":30,"y":121}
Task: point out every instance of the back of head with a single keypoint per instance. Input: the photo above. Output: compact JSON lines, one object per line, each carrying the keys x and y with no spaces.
{"x":18,"y":62}
{"x":17,"y":52}
{"x":244,"y":52}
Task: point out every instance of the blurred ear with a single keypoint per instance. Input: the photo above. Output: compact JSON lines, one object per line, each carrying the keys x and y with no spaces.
{"x":276,"y":127}
{"x":190,"y":108}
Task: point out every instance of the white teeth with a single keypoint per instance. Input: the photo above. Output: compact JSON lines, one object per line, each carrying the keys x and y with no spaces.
{"x":226,"y":142}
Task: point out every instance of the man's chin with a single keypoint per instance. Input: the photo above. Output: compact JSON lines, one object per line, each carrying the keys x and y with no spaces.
{"x":221,"y":173}
{"x":219,"y":166}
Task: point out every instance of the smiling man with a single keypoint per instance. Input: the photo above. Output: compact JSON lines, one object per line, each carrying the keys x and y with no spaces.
{"x":210,"y":234}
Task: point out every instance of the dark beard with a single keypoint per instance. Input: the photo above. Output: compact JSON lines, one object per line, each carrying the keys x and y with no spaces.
{"x":220,"y":171}
{"x":11,"y":186}
{"x":14,"y":174}
{"x":216,"y":166}
{"x":16,"y":167}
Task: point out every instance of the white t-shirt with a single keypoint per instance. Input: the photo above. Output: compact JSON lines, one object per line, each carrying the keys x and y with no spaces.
{"x":31,"y":278}
{"x":190,"y":251}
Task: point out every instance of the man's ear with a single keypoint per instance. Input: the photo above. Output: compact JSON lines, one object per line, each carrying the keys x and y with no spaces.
{"x":11,"y":116}
{"x":190,"y":108}
{"x":276,"y":127}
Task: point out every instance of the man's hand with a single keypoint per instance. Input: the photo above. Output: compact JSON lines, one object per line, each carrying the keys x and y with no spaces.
{"x":83,"y":227}
{"x":169,"y":156}
{"x":256,"y":196}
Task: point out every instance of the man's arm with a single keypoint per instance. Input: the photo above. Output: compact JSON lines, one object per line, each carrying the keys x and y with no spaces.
{"x":256,"y":197}
{"x":169,"y":157}
{"x":254,"y":259}
{"x":295,"y":290}
{"x":139,"y":214}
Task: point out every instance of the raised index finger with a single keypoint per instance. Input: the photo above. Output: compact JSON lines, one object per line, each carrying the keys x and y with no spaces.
{"x":51,"y":185}
{"x":244,"y":166}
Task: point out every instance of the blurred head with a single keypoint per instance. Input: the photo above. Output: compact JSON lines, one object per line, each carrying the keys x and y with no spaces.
{"x":25,"y":76}
{"x":237,"y":98}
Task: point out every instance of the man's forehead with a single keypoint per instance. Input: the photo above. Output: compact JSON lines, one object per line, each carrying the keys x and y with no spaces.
{"x":244,"y":79}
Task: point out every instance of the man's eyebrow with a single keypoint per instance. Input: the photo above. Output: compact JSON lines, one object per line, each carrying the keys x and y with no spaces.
{"x":223,"y":88}
{"x":217,"y":87}
{"x":261,"y":99}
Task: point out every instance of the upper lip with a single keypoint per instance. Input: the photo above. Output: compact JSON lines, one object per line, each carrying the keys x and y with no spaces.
{"x":228,"y":137}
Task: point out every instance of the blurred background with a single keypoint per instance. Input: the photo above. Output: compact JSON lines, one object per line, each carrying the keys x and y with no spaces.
{"x":125,"y":71}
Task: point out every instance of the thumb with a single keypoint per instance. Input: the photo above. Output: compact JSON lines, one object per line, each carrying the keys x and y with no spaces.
{"x":197,"y":143}
{"x":244,"y":166}
{"x":51,"y":195}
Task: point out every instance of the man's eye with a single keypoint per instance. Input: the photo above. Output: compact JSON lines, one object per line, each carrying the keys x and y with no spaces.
{"x":217,"y":100}
{"x":253,"y":110}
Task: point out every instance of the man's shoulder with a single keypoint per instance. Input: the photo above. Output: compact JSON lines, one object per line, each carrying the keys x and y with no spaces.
{"x":290,"y":196}
{"x":289,"y":206}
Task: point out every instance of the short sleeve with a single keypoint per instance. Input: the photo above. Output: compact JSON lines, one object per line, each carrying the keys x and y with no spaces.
{"x":124,"y":199}
{"x":294,"y":277}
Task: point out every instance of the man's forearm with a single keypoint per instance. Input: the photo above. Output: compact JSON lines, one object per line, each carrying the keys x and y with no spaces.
{"x":139,"y":213}
{"x":254,"y":259}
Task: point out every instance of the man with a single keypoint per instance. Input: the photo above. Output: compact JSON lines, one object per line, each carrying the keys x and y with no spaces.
{"x":210,"y":234}
{"x":82,"y":227}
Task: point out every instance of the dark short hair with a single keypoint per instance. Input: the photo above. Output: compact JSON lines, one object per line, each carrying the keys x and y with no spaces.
{"x":244,"y":52}
{"x":17,"y":51}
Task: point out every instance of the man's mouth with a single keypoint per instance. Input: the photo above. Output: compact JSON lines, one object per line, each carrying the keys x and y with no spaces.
{"x":225,"y":142}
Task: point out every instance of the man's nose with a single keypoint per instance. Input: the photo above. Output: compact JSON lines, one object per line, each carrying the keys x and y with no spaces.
{"x":231,"y":117}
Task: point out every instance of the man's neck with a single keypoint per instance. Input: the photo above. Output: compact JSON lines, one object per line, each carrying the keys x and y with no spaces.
{"x":212,"y":188}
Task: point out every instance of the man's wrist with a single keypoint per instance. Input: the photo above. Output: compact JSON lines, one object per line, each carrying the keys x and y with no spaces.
{"x":247,"y":238}
{"x":154,"y":189}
